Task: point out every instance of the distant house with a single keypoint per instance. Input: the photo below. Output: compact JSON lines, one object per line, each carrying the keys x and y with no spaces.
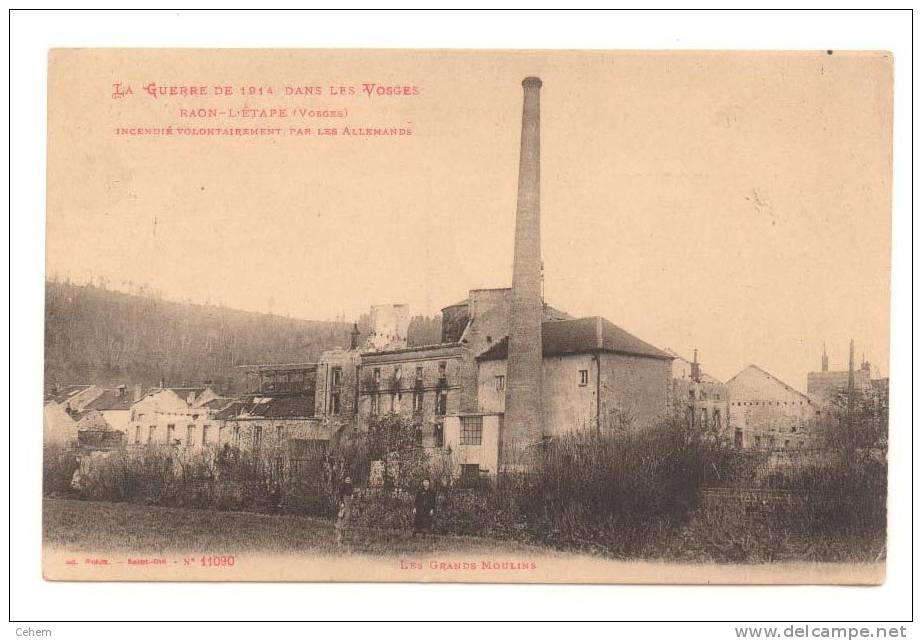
{"x":175,"y":416}
{"x":108,"y":411}
{"x":701,"y":398}
{"x":72,"y":397}
{"x":283,"y":423}
{"x":767,"y":413}
{"x":61,"y":412}
{"x":60,"y":427}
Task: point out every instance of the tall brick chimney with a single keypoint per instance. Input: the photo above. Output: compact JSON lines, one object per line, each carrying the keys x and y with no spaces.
{"x":851,"y":373}
{"x":523,"y":422}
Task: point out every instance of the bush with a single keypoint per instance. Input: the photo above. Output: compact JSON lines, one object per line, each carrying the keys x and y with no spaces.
{"x":482,"y":512}
{"x":58,"y":467}
{"x":618,"y":487}
{"x":225,"y":479}
{"x":622,"y":492}
{"x":609,"y":491}
{"x":378,"y":508}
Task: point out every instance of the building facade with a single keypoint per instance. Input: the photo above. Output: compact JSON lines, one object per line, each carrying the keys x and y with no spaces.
{"x":702,"y":399}
{"x":180,"y":416}
{"x":509,"y":374}
{"x":767,"y":413}
{"x":62,"y":410}
{"x":420,"y":384}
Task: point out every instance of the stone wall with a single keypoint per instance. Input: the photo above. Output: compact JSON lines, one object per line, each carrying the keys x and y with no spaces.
{"x":636,"y":388}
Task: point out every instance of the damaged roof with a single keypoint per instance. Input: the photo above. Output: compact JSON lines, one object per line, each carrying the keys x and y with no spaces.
{"x":581,"y":336}
{"x":110,"y":399}
{"x":69,"y":391}
{"x":217,"y":403}
{"x":270,"y":406}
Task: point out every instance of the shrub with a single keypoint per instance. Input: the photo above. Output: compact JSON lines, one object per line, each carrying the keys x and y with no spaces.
{"x":58,"y":467}
{"x":482,"y":512}
{"x":101,"y":476}
{"x":379,"y":508}
{"x":226,"y":479}
{"x":619,"y":485}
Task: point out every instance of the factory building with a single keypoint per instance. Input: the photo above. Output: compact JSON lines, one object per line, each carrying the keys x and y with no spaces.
{"x":510,"y":371}
{"x":509,"y":374}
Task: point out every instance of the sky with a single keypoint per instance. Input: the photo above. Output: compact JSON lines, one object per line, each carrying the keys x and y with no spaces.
{"x":734,"y":203}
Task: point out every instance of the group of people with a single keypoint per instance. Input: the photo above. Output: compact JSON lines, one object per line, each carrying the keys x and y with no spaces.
{"x":423,"y":509}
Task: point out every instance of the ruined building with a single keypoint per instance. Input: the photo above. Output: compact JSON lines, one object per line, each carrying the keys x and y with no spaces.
{"x":509,"y":372}
{"x":702,"y":399}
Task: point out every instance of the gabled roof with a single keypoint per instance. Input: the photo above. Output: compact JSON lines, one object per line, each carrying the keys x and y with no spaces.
{"x":270,"y":406}
{"x":756,"y":368}
{"x":579,"y":336}
{"x":110,"y":399}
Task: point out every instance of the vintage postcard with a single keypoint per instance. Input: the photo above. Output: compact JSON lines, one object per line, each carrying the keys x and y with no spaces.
{"x":467,"y":316}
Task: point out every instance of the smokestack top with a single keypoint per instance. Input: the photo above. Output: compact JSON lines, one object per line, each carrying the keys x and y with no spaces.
{"x":532,"y":81}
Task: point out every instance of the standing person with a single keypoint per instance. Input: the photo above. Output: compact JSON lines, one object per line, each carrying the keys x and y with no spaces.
{"x":344,"y":509}
{"x":423,"y":509}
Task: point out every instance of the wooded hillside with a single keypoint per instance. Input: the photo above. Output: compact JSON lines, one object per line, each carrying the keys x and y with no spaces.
{"x":96,"y":335}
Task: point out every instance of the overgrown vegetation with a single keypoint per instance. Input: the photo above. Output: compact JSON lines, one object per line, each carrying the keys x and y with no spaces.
{"x":669,"y":492}
{"x":609,"y":492}
{"x":226,"y":479}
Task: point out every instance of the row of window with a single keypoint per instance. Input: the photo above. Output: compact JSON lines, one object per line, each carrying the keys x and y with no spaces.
{"x":376,"y":373}
{"x":205,"y":436}
{"x":172,"y":439}
{"x":441,"y":403}
{"x":748,"y":403}
{"x":499,"y":384}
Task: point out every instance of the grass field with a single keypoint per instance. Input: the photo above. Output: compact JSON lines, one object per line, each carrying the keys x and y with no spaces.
{"x":88,"y":526}
{"x":113,"y":527}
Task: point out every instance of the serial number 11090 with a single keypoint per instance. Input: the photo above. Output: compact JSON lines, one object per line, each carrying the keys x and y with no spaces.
{"x":218,"y":561}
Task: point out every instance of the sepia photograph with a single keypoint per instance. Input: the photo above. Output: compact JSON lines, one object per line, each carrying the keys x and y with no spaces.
{"x":467,"y":316}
